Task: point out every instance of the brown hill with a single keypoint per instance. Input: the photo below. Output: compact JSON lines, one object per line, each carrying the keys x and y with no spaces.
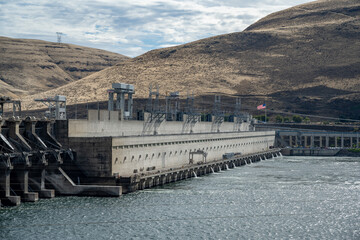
{"x":305,"y":59}
{"x":33,"y":66}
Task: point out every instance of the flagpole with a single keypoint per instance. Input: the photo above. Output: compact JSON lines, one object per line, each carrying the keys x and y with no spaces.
{"x":265,"y":110}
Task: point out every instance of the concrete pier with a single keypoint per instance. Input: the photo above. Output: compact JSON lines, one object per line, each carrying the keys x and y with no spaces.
{"x":6,"y":197}
{"x":21,"y":185}
{"x":38,"y":183}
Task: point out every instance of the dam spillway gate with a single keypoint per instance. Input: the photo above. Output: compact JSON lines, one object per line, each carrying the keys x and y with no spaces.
{"x":27,"y":151}
{"x":31,"y":161}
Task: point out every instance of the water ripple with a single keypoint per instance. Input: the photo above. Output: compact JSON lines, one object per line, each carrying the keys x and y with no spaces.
{"x":290,"y":198}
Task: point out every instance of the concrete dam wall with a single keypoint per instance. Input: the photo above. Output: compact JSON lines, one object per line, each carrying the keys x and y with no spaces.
{"x":105,"y":154}
{"x":107,"y":146}
{"x":110,"y":152}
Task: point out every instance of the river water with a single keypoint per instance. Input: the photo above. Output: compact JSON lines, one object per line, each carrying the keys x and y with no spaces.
{"x":280,"y":198}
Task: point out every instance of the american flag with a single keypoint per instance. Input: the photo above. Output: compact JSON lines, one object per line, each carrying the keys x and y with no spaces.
{"x":262,"y":106}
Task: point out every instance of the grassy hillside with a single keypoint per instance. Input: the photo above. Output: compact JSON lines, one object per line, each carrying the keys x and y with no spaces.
{"x":33,"y":66}
{"x":304,"y":59}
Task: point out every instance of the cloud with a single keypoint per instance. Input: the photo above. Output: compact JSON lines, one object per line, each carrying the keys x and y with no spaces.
{"x":131,"y":27}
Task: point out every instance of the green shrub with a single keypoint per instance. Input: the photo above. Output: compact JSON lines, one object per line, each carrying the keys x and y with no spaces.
{"x":297,"y":119}
{"x":279,"y":119}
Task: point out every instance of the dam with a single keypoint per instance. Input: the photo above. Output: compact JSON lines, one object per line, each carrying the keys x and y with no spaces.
{"x":112,"y":152}
{"x":120,"y":149}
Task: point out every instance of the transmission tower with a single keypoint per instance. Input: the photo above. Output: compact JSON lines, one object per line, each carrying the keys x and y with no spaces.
{"x":16,"y":105}
{"x":217,"y":105}
{"x":192,"y":115}
{"x":59,"y":34}
{"x":237,"y":107}
{"x":189,"y":108}
{"x":157,"y":116}
{"x":56,"y":105}
{"x":153,"y":107}
{"x":218,"y":115}
{"x":172,"y":106}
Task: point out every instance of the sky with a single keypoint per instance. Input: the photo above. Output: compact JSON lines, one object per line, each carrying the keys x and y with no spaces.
{"x":131,"y":27}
